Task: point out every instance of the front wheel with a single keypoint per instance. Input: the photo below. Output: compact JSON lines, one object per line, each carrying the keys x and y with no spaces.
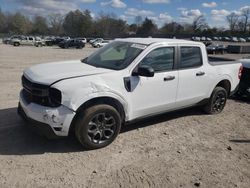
{"x":217,"y":101}
{"x":97,"y":126}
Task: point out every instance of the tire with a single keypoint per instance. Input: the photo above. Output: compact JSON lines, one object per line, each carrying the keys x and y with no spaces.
{"x":217,"y":101}
{"x":16,"y":44}
{"x":97,"y":126}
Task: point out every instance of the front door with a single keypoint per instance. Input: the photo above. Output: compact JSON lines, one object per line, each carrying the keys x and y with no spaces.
{"x":151,"y":95}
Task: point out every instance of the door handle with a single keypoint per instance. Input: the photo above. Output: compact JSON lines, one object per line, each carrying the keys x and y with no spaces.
{"x":200,"y":73}
{"x":168,"y":78}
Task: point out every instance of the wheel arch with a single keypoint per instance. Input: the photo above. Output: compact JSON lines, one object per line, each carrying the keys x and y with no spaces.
{"x":226,"y":84}
{"x":99,"y":100}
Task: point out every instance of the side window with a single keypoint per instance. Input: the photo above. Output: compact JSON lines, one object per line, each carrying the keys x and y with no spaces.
{"x":160,"y":59}
{"x":190,"y":57}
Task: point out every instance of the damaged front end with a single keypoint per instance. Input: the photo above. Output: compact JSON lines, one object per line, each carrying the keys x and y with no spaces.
{"x":42,"y":104}
{"x":41,"y":94}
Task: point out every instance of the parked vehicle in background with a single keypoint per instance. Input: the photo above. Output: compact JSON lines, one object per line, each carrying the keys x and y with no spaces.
{"x":203,"y":38}
{"x":227,"y":39}
{"x":216,"y":38}
{"x":84,"y":40}
{"x":39,"y":42}
{"x":72,"y":43}
{"x":96,"y":40}
{"x":196,"y":38}
{"x":27,"y":40}
{"x":100,"y":44}
{"x":209,"y":39}
{"x":89,"y":39}
{"x":125,"y":80}
{"x":24,"y":40}
{"x":234,"y":39}
{"x":248,"y":39}
{"x":7,"y":40}
{"x":216,"y":49}
{"x":49,"y":41}
{"x":244,"y":86}
{"x":241,"y":40}
{"x":57,"y":40}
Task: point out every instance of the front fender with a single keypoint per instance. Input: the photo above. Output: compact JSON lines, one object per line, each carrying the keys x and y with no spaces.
{"x":73,"y":96}
{"x":78,"y":101}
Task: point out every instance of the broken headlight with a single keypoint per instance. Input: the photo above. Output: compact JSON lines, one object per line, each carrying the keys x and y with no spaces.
{"x":55,"y":97}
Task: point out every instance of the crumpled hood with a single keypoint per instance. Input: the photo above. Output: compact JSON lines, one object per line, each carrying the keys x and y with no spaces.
{"x":49,"y":73}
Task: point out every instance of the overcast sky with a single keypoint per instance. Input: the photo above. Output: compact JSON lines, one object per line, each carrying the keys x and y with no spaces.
{"x":161,"y":11}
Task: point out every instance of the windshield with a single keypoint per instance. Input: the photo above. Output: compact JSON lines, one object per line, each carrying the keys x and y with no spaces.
{"x":116,"y":55}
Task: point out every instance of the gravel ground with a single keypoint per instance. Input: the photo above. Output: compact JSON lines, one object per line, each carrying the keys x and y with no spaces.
{"x":181,"y":149}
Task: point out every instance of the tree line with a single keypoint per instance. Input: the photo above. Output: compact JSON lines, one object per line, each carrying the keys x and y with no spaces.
{"x":81,"y":24}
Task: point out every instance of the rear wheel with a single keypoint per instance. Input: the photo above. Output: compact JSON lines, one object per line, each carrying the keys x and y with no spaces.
{"x":97,"y":126}
{"x":217,"y":101}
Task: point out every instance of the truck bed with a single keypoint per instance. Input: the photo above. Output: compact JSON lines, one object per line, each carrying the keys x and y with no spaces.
{"x":221,"y":61}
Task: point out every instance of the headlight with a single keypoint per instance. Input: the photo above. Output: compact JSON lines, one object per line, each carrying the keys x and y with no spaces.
{"x":55,"y":97}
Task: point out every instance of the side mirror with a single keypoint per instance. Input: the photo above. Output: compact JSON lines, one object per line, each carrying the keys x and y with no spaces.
{"x":144,"y":70}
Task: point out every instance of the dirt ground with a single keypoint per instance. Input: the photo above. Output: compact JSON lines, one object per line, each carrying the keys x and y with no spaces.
{"x":179,"y":149}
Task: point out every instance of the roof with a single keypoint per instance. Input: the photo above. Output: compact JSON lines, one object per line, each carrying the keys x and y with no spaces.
{"x":148,"y":41}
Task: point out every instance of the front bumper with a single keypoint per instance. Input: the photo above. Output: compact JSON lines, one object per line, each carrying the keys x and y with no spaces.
{"x":40,"y":128}
{"x":51,"y":122}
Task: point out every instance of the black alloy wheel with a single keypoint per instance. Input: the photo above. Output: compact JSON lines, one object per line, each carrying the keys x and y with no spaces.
{"x":97,"y":126}
{"x":217,"y":101}
{"x":101,"y":128}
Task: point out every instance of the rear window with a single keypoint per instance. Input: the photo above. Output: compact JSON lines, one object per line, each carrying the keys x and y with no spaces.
{"x":190,"y":57}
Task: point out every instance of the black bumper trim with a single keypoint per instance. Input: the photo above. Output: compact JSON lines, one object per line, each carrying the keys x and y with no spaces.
{"x":40,"y":128}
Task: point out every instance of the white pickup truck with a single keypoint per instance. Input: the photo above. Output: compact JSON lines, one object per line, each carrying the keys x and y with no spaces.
{"x":28,"y":40}
{"x":126,"y":80}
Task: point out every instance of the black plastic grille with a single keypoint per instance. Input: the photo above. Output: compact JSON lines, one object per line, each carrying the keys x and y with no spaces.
{"x":36,"y":93}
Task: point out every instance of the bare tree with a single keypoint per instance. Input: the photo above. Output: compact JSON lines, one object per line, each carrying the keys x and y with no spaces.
{"x":232,"y":20}
{"x":246,"y":15}
{"x":240,"y":26}
{"x":199,"y":23}
{"x":56,"y":22}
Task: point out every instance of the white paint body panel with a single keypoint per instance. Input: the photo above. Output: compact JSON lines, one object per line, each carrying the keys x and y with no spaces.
{"x":79,"y":82}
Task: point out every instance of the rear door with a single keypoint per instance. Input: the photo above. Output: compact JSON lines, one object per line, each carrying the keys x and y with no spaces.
{"x":193,"y":78}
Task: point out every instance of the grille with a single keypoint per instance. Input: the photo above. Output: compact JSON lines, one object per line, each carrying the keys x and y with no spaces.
{"x":36,"y":93}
